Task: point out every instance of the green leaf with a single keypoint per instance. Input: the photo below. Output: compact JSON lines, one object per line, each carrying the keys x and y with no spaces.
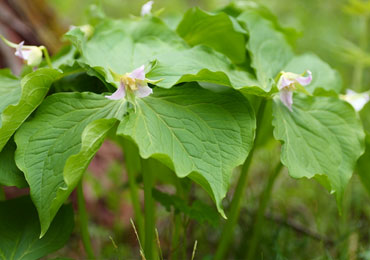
{"x":323,"y":76}
{"x":322,"y":138}
{"x":118,"y":47}
{"x":236,"y":8}
{"x":65,"y":124}
{"x":268,"y":48}
{"x":218,"y":31}
{"x":19,"y":234}
{"x":202,"y":64}
{"x":19,"y":101}
{"x":10,"y":175}
{"x":196,"y":132}
{"x":10,"y":89}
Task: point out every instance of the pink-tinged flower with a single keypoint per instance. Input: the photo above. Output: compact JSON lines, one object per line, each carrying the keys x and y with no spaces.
{"x":289,"y":82}
{"x":31,"y":54}
{"x":357,"y":100}
{"x":134,"y":82}
{"x":146,"y":9}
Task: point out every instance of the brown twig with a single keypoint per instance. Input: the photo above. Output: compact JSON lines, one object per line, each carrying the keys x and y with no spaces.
{"x":299,"y":228}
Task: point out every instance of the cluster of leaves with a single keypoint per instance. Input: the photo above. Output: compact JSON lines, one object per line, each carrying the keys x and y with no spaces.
{"x":213,"y":70}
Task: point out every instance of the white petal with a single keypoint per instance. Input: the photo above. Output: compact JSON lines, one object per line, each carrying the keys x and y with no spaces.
{"x":33,"y":55}
{"x":138,"y":73}
{"x":357,"y":100}
{"x":26,"y":54}
{"x":19,"y":52}
{"x":143,"y":91}
{"x":286,"y":96}
{"x":146,"y":8}
{"x":304,"y":81}
{"x":119,"y":93}
{"x":284,"y":82}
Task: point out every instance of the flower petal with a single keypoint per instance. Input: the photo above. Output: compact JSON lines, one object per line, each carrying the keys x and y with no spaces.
{"x":284,"y":82}
{"x":119,"y":93}
{"x":143,"y":91}
{"x":357,"y":100}
{"x":146,"y":8}
{"x":33,"y":55}
{"x":138,"y":73}
{"x":286,"y":96}
{"x":304,"y":81}
{"x":19,"y":52}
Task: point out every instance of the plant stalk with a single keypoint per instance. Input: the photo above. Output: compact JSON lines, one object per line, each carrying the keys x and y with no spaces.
{"x":132,"y":159}
{"x":83,"y":220}
{"x":148,"y":179}
{"x":47,"y":56}
{"x":2,"y":193}
{"x":264,"y":200}
{"x":228,"y":231}
{"x":176,"y":237}
{"x":359,"y":66}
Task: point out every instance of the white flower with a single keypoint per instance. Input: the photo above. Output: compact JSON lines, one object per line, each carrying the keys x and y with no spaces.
{"x":147,"y":8}
{"x":289,"y":82}
{"x":134,"y":82}
{"x":31,"y":54}
{"x":357,"y":100}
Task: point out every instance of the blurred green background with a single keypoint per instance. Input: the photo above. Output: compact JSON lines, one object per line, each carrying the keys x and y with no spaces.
{"x":333,"y":29}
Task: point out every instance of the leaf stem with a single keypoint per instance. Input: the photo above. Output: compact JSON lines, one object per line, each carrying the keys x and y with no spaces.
{"x":264,"y":199}
{"x":176,"y":236}
{"x":149,"y":216}
{"x":2,"y":193}
{"x":83,"y":221}
{"x":132,"y":159}
{"x":46,"y":55}
{"x":359,"y":66}
{"x":228,"y":231}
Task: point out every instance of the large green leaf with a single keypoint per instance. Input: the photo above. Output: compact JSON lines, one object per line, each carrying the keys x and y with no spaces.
{"x":323,"y":76}
{"x":200,"y":63}
{"x":20,"y":98}
{"x":196,"y":132}
{"x":10,"y":89}
{"x":10,"y":175}
{"x":20,"y":230}
{"x":322,"y":137}
{"x":64,"y":125}
{"x":122,"y":48}
{"x":218,"y":31}
{"x":268,"y":48}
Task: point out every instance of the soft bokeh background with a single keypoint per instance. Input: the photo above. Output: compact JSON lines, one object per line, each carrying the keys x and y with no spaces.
{"x":325,"y":27}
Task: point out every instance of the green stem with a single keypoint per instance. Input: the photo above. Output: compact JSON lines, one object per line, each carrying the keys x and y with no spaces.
{"x":46,"y":55}
{"x":176,"y":237}
{"x":148,"y":179}
{"x":228,"y":231}
{"x":83,"y":220}
{"x":2,"y":193}
{"x":359,"y":66}
{"x":9,"y":43}
{"x":184,"y":245}
{"x":264,"y":200}
{"x":132,"y":160}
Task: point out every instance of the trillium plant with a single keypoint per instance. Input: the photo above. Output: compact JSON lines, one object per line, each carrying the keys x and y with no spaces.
{"x":192,"y":102}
